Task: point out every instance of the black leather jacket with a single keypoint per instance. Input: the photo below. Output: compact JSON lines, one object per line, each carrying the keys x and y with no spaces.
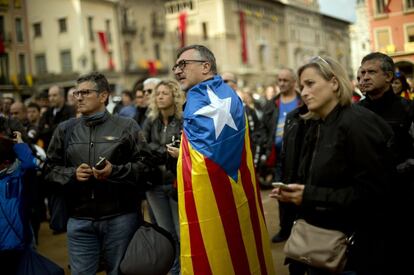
{"x":158,"y":135}
{"x":113,"y":137}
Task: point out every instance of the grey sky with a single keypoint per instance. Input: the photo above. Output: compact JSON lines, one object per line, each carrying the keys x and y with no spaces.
{"x":344,"y":9}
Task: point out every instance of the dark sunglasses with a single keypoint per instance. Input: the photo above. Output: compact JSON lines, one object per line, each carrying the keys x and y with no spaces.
{"x":148,"y":91}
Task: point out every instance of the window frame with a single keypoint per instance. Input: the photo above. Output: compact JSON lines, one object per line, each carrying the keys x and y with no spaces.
{"x":22,"y":59}
{"x":62,"y":66}
{"x":376,"y":30}
{"x":90,"y":28}
{"x":63,"y":25}
{"x":378,"y":14}
{"x":406,"y":9}
{"x":37,"y":32}
{"x":39,"y":70}
{"x":108,"y":30}
{"x":19,"y":33}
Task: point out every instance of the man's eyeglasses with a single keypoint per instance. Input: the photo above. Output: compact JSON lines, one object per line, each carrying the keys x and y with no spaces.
{"x":228,"y":80}
{"x":83,"y":93}
{"x":184,"y":62}
{"x":148,"y":91}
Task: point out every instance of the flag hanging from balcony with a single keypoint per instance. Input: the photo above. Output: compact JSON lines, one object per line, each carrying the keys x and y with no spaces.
{"x":104,"y":44}
{"x":222,"y":225}
{"x":103,"y":40}
{"x":387,"y":7}
{"x":152,"y":68}
{"x":243,"y":35}
{"x":182,"y":27}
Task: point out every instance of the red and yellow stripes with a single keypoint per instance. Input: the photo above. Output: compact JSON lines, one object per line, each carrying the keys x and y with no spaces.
{"x":222,"y":225}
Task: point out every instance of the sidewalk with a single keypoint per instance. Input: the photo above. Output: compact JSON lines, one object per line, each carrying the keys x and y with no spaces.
{"x":54,"y":247}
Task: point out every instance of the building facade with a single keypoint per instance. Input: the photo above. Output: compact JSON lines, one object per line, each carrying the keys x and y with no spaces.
{"x":73,"y":38}
{"x":392,"y":31}
{"x":15,"y":63}
{"x":360,"y":35}
{"x":254,"y":39}
{"x":124,"y":39}
{"x":130,"y":40}
{"x":145,"y":50}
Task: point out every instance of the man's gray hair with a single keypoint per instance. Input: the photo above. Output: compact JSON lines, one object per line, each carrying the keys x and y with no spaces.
{"x":204,"y":54}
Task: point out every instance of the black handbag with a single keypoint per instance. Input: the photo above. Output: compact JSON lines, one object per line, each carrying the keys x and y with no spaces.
{"x":151,"y":251}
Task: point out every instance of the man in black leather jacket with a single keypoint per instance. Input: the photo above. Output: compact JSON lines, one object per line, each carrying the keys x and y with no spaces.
{"x":103,"y":203}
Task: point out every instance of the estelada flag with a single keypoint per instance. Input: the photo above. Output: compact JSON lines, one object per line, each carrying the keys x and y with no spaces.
{"x":222,"y":225}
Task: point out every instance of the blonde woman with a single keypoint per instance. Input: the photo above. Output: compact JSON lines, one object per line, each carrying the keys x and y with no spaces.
{"x":344,"y":166}
{"x":162,"y":130}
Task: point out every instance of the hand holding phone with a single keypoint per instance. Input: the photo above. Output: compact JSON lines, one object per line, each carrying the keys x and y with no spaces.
{"x":101,"y":163}
{"x":174,"y":142}
{"x":281,"y":186}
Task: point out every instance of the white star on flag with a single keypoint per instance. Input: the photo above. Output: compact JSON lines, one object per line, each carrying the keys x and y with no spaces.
{"x":219,"y":111}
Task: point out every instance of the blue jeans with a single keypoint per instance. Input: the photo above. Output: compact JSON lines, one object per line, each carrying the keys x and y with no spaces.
{"x":87,"y":239}
{"x":166,"y":215}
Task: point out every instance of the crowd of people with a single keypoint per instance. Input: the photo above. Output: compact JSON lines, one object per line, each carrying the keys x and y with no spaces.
{"x":345,"y":152}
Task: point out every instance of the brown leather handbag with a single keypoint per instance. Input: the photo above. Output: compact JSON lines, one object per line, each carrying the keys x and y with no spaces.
{"x":318,"y":247}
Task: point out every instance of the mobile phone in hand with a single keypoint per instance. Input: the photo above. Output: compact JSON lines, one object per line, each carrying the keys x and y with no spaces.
{"x":281,"y":185}
{"x":175,"y":142}
{"x":101,"y":163}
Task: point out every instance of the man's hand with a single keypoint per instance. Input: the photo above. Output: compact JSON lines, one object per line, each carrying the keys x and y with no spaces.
{"x":83,"y":172}
{"x":104,"y":173}
{"x":293,"y":193}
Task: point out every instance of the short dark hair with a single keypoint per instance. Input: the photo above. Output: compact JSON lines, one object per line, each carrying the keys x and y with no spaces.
{"x":128,"y":94}
{"x":33,"y":105}
{"x":204,"y":53}
{"x":6,"y":141}
{"x":6,"y":147}
{"x":98,"y":79}
{"x":41,"y":95}
{"x":387,"y":64}
{"x":138,"y":85}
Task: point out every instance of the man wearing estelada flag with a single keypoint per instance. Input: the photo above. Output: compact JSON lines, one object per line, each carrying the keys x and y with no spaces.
{"x":222,"y":225}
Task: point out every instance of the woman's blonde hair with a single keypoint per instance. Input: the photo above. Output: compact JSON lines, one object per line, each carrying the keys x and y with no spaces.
{"x":329,"y":68}
{"x":178,"y":97}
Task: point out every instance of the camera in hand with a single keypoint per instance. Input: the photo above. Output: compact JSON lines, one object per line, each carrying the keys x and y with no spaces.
{"x":101,"y":163}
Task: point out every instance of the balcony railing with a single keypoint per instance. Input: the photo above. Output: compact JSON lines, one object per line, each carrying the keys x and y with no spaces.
{"x":129,"y":28}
